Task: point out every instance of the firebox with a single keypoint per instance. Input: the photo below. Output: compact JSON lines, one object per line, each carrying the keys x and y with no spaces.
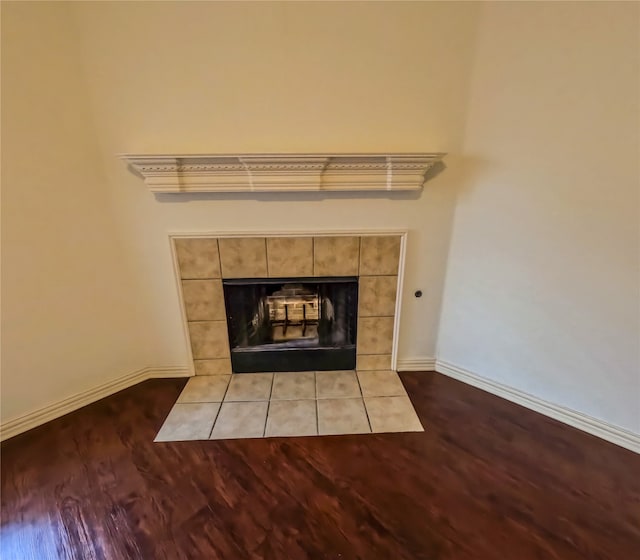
{"x":292,"y":324}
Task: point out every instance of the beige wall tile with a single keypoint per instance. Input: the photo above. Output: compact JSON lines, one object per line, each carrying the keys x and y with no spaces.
{"x":292,"y":418}
{"x":240,"y":420}
{"x":375,"y":335}
{"x":249,"y":387}
{"x":372,"y":362}
{"x":188,"y":421}
{"x":377,"y":296}
{"x":205,"y":388}
{"x":379,"y":255}
{"x":336,"y":256}
{"x":243,"y":257}
{"x":294,"y":386}
{"x":203,"y":300}
{"x":290,"y":256}
{"x":337,"y":384}
{"x":221,"y":366}
{"x":209,"y":339}
{"x":392,"y":414}
{"x":385,"y":383}
{"x":198,"y":257}
{"x":342,"y":416}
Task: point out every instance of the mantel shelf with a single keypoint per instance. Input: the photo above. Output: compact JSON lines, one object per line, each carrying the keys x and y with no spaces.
{"x":283,"y":172}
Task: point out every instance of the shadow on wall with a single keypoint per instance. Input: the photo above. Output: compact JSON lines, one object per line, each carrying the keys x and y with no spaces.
{"x":469,"y":172}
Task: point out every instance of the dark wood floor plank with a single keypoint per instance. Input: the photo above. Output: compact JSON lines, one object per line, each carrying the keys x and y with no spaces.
{"x":486,"y":480}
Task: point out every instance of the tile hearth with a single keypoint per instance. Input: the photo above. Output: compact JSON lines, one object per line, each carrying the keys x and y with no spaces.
{"x":256,"y":405}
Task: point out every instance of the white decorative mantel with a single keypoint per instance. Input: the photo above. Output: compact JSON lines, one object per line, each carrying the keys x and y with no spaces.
{"x":283,"y":172}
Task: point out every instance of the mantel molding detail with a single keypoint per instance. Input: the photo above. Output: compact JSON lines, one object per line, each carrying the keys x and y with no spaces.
{"x":283,"y":172}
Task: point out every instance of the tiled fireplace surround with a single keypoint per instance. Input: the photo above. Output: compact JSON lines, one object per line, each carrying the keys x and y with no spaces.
{"x":202,"y":263}
{"x":216,"y":404}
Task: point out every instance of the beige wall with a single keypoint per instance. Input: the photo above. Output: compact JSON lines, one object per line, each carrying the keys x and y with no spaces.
{"x":542,"y":283}
{"x":69,"y":318}
{"x":278,"y":77}
{"x":88,"y":286}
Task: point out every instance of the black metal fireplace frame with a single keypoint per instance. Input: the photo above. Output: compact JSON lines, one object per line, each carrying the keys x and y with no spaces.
{"x":264,"y":358}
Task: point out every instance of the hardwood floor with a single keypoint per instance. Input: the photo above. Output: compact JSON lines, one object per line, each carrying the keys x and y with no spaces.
{"x":486,"y":480}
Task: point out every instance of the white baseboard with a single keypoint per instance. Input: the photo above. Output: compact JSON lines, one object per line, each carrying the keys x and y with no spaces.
{"x":593,"y":426}
{"x":16,"y":426}
{"x":416,"y":364}
{"x":167,"y":371}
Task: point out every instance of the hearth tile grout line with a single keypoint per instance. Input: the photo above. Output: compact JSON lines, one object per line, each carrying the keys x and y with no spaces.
{"x":374,"y":317}
{"x":315,"y":375}
{"x":266,"y":418}
{"x":266,"y":256}
{"x":219,"y":408}
{"x":364,"y":404}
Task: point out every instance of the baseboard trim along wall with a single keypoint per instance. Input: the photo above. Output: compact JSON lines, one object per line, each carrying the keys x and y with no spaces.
{"x":30,"y":420}
{"x":416,"y":364}
{"x":589,"y":424}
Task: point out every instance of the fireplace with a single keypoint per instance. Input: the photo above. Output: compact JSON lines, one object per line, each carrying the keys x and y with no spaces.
{"x":292,"y":324}
{"x":289,"y":302}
